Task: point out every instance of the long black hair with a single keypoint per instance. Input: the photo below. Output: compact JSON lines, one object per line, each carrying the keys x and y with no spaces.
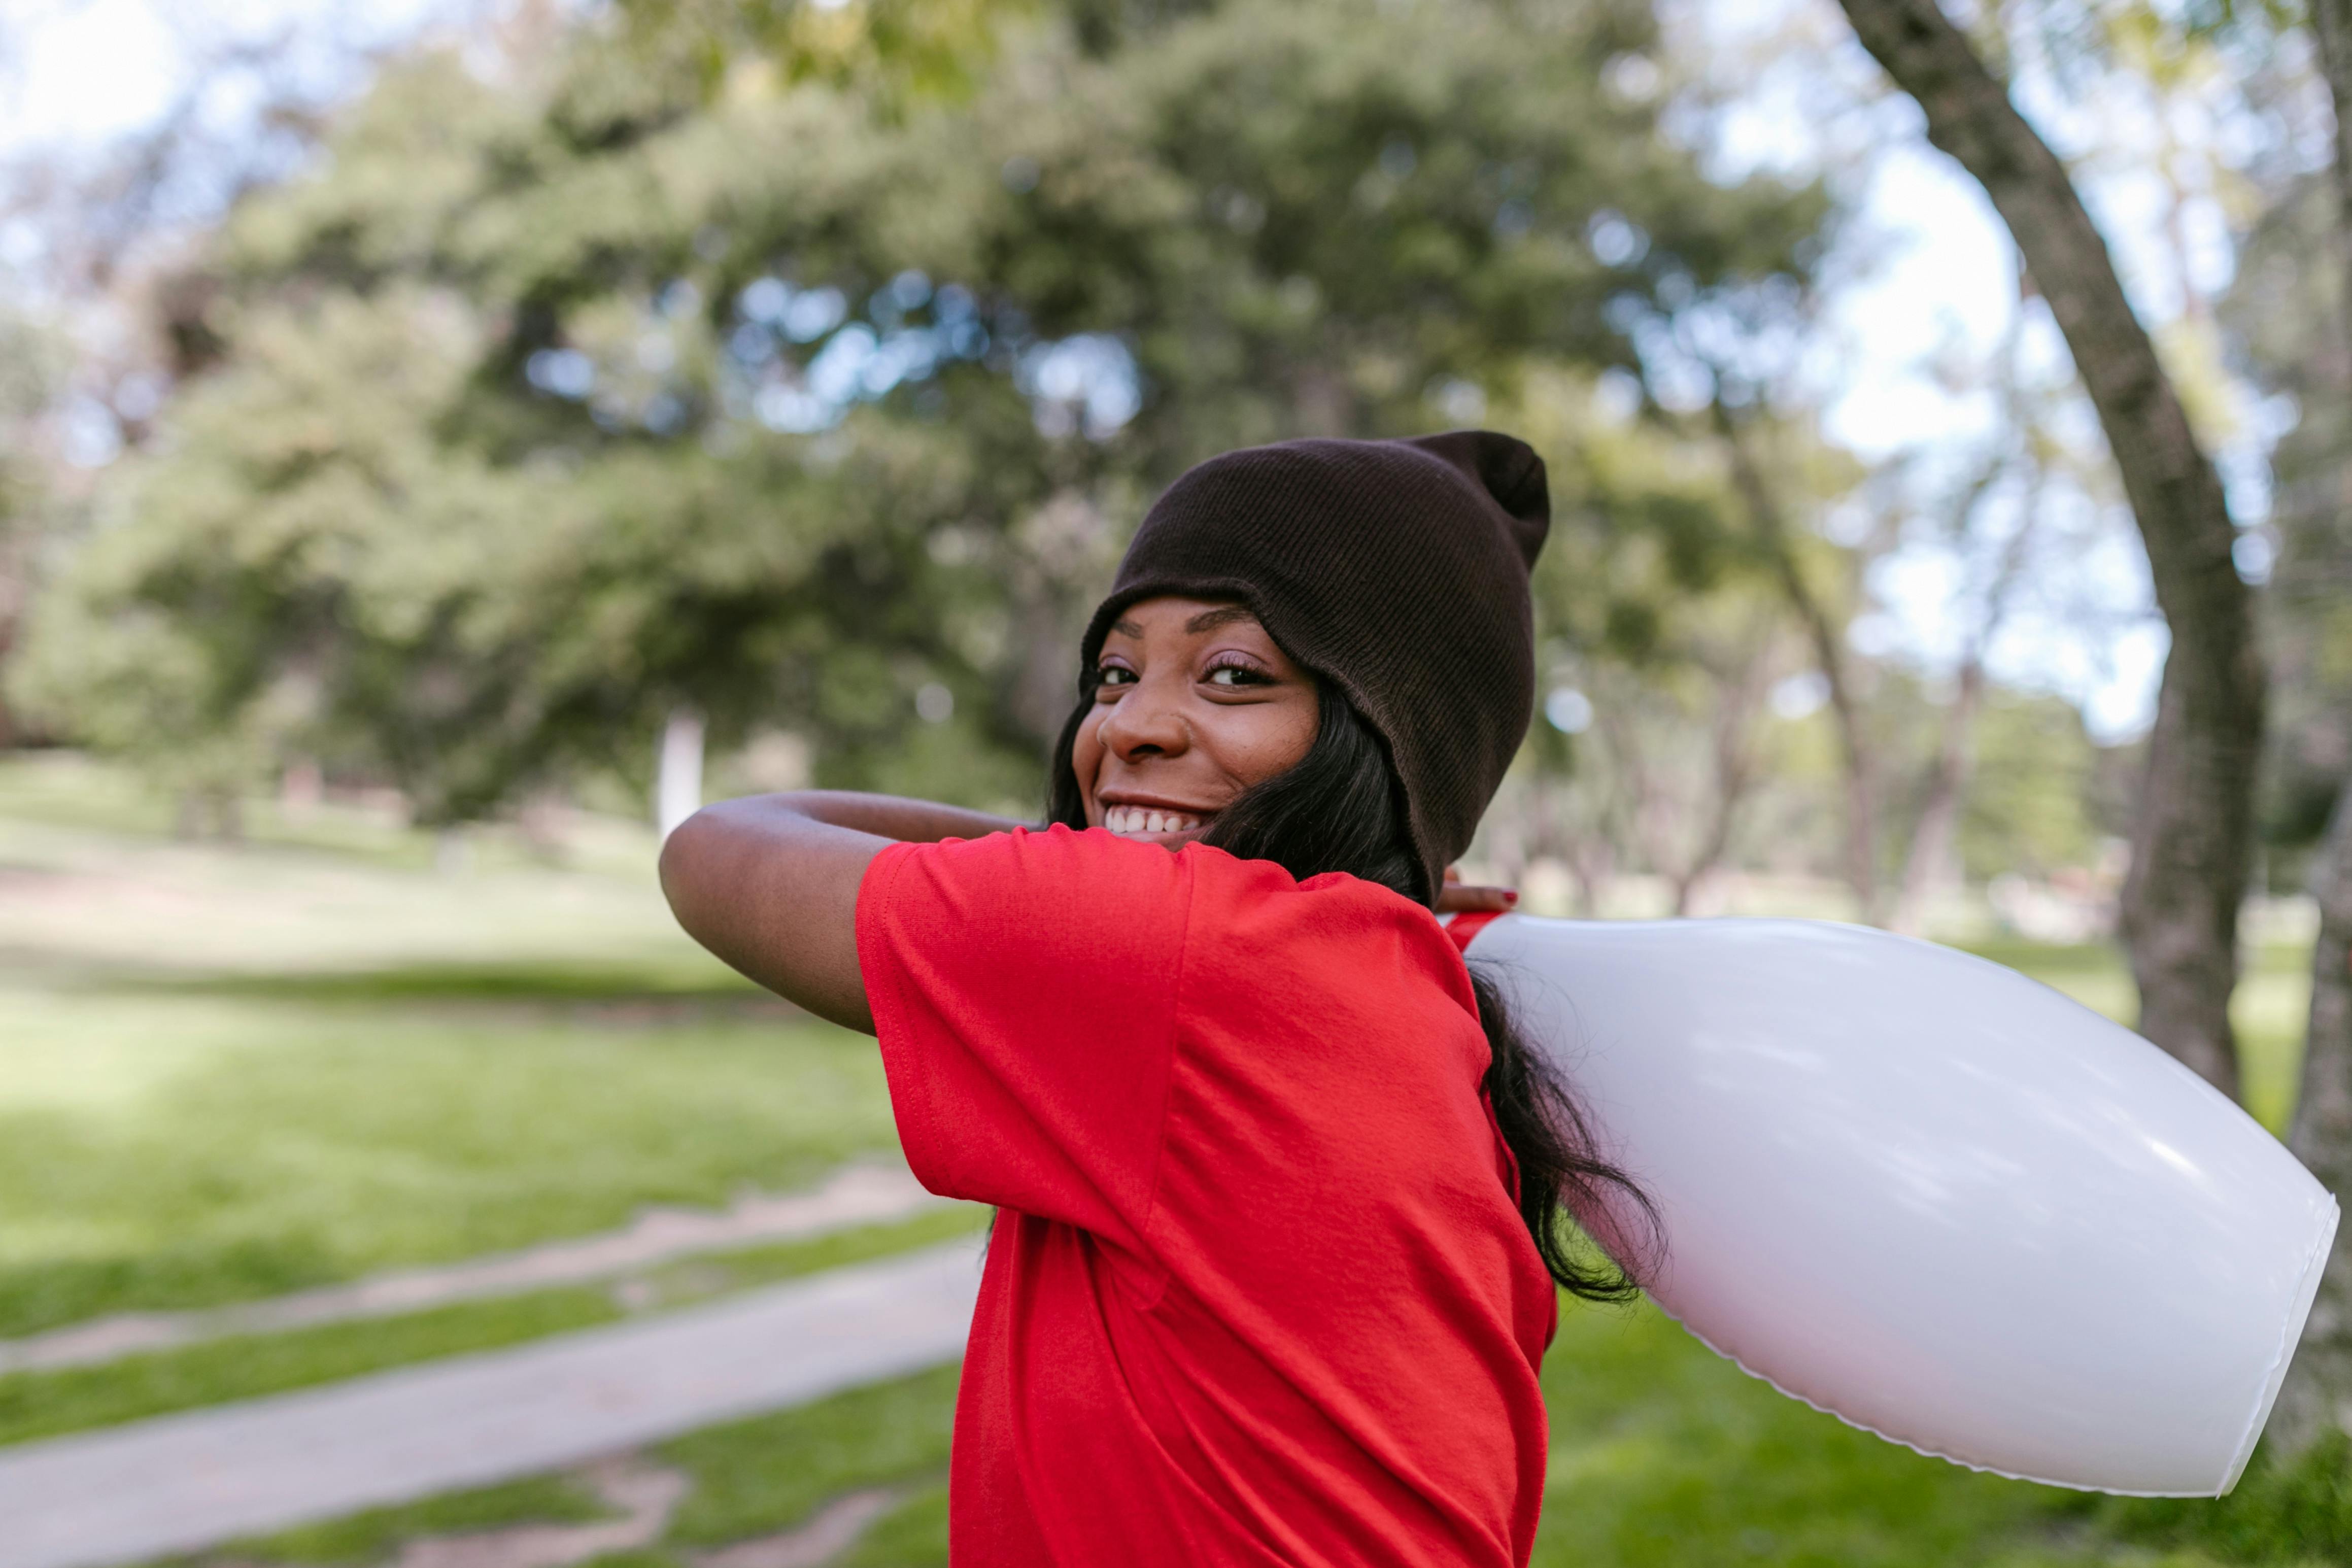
{"x":1341,"y":808}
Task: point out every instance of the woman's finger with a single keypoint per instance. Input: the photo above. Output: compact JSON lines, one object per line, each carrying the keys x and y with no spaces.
{"x":1461,"y":898}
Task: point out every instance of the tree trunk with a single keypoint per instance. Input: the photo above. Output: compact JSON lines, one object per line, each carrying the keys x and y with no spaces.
{"x":2317,"y":1395}
{"x":2193,"y":836}
{"x":1826,"y":636}
{"x":2316,"y":1399}
{"x":1733,"y":755}
{"x":2331,"y":27}
{"x":1931,"y":842}
{"x":677,"y":777}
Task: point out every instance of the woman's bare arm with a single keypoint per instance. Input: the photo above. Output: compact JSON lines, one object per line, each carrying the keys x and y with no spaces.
{"x":770,"y":884}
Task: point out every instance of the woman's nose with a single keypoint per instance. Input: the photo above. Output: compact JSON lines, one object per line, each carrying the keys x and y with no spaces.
{"x":1144,"y":723}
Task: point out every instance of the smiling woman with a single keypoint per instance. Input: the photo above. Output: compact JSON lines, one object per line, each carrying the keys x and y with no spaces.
{"x":1279,"y":1188}
{"x":1191,"y":704}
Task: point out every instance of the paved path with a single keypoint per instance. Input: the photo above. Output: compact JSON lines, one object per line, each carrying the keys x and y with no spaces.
{"x":863,"y":1193}
{"x":178,"y":1483}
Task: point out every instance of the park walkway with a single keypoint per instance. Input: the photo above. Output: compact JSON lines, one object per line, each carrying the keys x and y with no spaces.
{"x":864,"y":1192}
{"x":178,"y":1483}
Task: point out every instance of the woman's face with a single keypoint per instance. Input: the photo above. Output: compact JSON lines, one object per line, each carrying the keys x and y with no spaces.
{"x":1195,"y":705}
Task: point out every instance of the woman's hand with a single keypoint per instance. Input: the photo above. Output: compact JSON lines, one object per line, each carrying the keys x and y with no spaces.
{"x":770,"y":884}
{"x":1460,"y":898}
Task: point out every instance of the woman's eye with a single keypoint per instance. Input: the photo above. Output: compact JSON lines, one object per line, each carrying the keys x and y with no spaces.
{"x":1114,"y":675}
{"x":1235,"y":674}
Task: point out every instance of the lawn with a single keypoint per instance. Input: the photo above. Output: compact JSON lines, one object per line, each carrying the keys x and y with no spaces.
{"x":160,"y":1151}
{"x":1664,"y":1457}
{"x":51,"y":1401}
{"x":228,"y":1072}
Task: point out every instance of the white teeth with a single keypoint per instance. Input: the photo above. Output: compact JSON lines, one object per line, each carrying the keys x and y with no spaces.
{"x":1141,"y":819}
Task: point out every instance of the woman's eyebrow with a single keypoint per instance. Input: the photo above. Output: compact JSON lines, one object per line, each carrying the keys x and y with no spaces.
{"x":1224,"y":615}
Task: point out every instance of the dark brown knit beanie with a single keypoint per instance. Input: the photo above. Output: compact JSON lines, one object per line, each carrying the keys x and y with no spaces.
{"x":1397,"y":569}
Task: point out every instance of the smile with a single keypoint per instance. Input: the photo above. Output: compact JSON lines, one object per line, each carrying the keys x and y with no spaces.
{"x":1131,"y":819}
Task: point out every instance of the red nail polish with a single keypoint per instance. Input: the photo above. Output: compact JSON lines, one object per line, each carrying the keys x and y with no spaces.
{"x":1510,"y":895}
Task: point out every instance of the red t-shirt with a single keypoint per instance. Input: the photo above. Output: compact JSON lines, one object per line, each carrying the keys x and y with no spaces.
{"x":1258,"y":1293}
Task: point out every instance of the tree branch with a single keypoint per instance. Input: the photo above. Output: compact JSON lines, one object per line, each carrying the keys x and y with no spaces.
{"x":2193,"y":835}
{"x":1823,"y":632}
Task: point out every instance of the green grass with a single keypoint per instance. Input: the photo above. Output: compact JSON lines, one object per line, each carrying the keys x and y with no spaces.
{"x":546,"y":984}
{"x":912,"y":1535}
{"x":66,"y":790}
{"x":1664,"y":1456}
{"x":229,"y":1073}
{"x":247,"y":1366}
{"x":2299,"y":1514}
{"x":224,"y":1074}
{"x":711,"y":1274}
{"x":183,"y":1152}
{"x":770,"y":1473}
{"x":44,"y":1403}
{"x":373,"y":1536}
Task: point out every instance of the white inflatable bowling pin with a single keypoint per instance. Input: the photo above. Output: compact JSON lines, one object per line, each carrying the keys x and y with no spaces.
{"x":1932,"y":1197}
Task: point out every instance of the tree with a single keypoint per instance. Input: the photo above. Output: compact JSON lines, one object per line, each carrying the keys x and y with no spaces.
{"x":2017,"y":468}
{"x":1664,"y":627}
{"x":2281,"y":299}
{"x":29,"y":373}
{"x":2193,"y":833}
{"x":814,"y":405}
{"x":1776,"y":539}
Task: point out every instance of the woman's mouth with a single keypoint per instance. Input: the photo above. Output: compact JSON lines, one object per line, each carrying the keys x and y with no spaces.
{"x":1141,"y":821}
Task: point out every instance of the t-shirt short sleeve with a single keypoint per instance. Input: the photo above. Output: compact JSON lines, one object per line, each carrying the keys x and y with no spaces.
{"x":1023,"y":988}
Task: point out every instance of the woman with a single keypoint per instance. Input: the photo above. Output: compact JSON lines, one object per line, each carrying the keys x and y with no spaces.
{"x":1278,"y":1189}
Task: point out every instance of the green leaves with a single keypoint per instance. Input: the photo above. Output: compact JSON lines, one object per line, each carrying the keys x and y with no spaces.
{"x":716,"y":360}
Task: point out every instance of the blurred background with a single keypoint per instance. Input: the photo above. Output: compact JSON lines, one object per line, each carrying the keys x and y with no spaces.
{"x":442,"y":442}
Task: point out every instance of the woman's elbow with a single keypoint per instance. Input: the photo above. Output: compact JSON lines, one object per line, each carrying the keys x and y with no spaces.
{"x":690,"y":862}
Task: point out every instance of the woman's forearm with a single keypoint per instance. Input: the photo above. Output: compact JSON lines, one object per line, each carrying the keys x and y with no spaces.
{"x":886,"y":816}
{"x":770,"y":884}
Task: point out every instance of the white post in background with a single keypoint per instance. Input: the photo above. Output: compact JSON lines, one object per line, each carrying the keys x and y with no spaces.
{"x":677,"y":777}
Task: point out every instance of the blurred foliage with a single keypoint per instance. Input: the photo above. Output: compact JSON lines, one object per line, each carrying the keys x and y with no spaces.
{"x":550,"y":403}
{"x":1665,"y":632}
{"x":918,"y":48}
{"x":32,"y":373}
{"x":2031,"y":802}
